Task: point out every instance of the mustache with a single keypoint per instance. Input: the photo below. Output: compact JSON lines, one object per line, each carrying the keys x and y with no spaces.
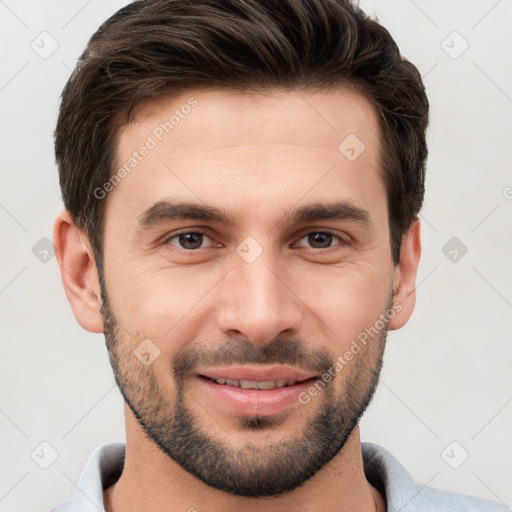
{"x":236,"y":351}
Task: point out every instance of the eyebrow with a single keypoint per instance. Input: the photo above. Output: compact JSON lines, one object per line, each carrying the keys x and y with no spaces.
{"x":340,"y":210}
{"x":165,"y":210}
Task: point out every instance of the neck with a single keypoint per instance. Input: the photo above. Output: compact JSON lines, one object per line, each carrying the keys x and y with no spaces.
{"x":152,"y":481}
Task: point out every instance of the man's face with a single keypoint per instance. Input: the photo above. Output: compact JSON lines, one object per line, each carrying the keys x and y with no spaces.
{"x":246,"y":245}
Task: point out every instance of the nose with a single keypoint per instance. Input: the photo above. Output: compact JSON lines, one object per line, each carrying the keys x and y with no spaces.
{"x":257,"y":302}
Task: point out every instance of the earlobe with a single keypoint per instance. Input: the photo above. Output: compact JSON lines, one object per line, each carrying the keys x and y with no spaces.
{"x":404,"y":276}
{"x":78,"y":272}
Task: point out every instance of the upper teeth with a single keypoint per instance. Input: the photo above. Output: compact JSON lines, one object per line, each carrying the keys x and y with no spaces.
{"x":250,"y":384}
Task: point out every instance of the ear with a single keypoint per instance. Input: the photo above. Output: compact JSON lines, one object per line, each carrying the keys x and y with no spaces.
{"x":404,"y":276}
{"x":78,"y":272}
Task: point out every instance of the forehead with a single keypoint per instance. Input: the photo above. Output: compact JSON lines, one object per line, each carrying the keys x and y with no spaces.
{"x":267,"y":116}
{"x":248,"y":150}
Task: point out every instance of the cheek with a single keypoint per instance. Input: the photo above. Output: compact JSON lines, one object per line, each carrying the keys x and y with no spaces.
{"x":347,"y":299}
{"x":165,"y":304}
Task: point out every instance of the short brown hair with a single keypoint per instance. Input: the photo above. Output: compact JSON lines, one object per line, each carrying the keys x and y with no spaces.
{"x":153,"y":48}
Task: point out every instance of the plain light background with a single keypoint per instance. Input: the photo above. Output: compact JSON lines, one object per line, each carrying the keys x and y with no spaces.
{"x":445,"y":391}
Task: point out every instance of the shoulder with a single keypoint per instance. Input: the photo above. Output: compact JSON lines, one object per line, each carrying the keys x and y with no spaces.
{"x":402,"y":494}
{"x":440,"y":500}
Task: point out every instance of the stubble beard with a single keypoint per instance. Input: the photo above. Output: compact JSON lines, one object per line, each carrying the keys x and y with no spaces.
{"x":254,"y":470}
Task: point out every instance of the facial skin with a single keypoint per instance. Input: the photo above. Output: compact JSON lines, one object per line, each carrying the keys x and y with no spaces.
{"x":258,"y":159}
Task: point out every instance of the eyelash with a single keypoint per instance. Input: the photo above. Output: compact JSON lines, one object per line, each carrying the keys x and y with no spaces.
{"x":341,"y":241}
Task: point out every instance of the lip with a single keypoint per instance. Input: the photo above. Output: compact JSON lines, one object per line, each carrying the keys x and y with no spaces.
{"x":255,"y":373}
{"x":254,"y":402}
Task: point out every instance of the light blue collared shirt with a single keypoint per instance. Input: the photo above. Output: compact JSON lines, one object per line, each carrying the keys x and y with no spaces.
{"x":382,"y":470}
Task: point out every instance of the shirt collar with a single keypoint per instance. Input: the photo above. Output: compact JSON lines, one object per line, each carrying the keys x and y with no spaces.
{"x":102,"y":469}
{"x":104,"y":466}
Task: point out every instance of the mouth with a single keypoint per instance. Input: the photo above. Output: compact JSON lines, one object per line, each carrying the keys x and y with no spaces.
{"x":246,"y":376}
{"x":251,"y":384}
{"x":254,"y":391}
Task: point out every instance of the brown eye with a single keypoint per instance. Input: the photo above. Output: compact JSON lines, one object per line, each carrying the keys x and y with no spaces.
{"x":188,"y":241}
{"x":320,"y":240}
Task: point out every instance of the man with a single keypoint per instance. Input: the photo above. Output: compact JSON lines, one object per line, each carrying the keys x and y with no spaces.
{"x":242,"y":181}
